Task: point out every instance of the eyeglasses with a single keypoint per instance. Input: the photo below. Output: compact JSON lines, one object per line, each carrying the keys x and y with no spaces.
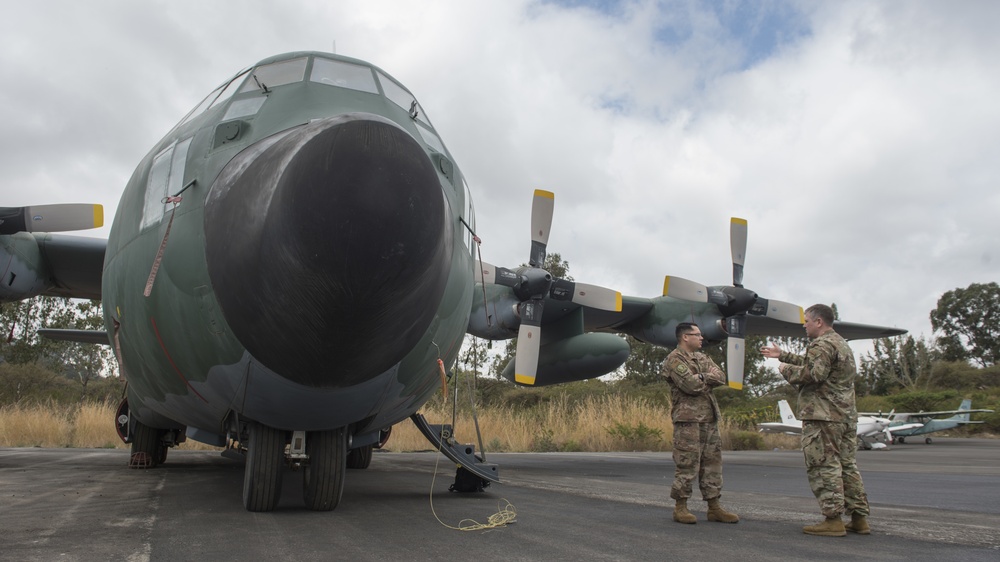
{"x":695,"y":334}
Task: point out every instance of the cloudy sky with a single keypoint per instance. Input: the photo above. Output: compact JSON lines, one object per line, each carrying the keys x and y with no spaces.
{"x":861,"y":140}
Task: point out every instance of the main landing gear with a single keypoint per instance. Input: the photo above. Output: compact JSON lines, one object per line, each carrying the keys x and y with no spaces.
{"x":149,"y":444}
{"x":321,"y":454}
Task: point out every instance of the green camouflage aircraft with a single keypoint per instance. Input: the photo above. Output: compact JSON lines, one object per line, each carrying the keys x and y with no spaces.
{"x":291,"y":270}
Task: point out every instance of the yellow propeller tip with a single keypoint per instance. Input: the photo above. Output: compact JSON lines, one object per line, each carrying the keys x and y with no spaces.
{"x":524,"y":379}
{"x":543,"y":193}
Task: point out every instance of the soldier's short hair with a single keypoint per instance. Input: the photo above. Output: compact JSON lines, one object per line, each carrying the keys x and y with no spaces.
{"x":821,"y":311}
{"x":684,"y":328}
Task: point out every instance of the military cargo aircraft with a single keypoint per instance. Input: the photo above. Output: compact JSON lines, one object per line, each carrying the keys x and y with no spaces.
{"x":290,"y":271}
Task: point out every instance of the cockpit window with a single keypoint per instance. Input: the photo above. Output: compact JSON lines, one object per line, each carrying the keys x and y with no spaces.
{"x":402,"y":98}
{"x":344,"y":75}
{"x":276,"y":74}
{"x":219,"y":95}
{"x":230,"y":89}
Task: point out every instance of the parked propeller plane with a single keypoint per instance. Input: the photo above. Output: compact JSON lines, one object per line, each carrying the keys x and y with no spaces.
{"x":874,"y":432}
{"x":291,"y":271}
{"x":907,"y":424}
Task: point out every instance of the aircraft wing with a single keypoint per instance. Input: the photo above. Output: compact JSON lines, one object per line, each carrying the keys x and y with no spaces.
{"x":765,"y":326}
{"x":903,"y":427}
{"x":776,"y":427}
{"x":78,"y":336}
{"x":905,"y":415}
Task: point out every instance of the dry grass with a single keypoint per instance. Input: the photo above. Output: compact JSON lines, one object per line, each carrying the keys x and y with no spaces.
{"x":607,"y":423}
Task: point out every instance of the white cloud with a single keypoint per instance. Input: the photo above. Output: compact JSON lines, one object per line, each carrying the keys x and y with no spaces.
{"x":864,"y":149}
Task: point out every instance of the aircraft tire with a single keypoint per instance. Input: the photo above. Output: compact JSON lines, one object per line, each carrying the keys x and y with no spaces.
{"x":145,"y":447}
{"x":360,"y":457}
{"x":262,"y":475}
{"x":927,"y":441}
{"x":323,"y":476}
{"x":902,"y":440}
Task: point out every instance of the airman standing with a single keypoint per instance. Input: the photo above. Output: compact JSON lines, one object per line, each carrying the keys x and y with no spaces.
{"x":824,"y":377}
{"x":691,"y":376}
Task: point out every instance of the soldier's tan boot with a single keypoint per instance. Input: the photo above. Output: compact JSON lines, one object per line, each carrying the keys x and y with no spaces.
{"x":681,"y":513}
{"x":858,"y":524}
{"x":716,"y":513}
{"x":832,"y":527}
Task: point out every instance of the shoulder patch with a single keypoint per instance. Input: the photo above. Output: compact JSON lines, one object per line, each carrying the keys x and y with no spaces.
{"x":681,"y":368}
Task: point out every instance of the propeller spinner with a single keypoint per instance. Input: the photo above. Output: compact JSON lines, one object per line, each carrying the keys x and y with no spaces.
{"x":734,"y":303}
{"x":532,"y":284}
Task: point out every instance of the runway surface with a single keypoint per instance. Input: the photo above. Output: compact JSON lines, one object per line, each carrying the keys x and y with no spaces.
{"x":929,"y":502}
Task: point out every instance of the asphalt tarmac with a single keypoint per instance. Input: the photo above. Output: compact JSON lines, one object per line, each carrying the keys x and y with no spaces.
{"x":929,"y":502}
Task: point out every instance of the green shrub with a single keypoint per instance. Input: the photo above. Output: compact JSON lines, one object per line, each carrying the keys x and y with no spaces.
{"x":746,"y":441}
{"x":638,"y":437}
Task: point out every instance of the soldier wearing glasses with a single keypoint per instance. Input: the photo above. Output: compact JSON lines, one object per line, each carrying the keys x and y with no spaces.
{"x":691,"y":376}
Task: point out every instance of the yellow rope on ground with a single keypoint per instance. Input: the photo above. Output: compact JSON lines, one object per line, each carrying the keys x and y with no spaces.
{"x":505,"y":516}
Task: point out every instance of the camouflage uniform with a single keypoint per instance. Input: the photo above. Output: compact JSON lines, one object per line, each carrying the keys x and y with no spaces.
{"x":695,"y":414}
{"x":825,"y":377}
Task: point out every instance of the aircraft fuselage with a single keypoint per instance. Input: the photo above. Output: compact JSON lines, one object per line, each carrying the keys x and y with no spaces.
{"x":313,"y":269}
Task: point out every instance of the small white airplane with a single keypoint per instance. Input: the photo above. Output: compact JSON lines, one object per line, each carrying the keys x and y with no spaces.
{"x":874,"y":432}
{"x":906,"y":424}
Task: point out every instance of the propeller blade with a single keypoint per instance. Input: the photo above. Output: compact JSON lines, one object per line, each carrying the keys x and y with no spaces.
{"x":529,"y":337}
{"x":735,"y":356}
{"x":51,"y":218}
{"x":779,"y":310}
{"x":585,"y":294}
{"x":738,"y":244}
{"x":485,"y":273}
{"x":490,"y":274}
{"x":597,"y":297}
{"x":541,"y":220}
{"x":683,"y":289}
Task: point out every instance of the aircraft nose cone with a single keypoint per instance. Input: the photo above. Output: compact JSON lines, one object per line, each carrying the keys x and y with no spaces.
{"x":326,"y":248}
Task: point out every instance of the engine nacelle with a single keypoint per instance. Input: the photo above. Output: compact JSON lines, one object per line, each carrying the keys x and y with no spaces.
{"x":22,"y":265}
{"x":658,"y":327}
{"x":495,"y":317}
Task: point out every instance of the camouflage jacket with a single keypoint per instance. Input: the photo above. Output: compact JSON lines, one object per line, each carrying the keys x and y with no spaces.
{"x":691,"y":377}
{"x":824,"y":377}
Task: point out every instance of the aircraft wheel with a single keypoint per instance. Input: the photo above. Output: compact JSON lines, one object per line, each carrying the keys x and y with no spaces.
{"x":262,"y":475}
{"x":323,"y":476}
{"x":162,"y":454}
{"x":927,"y":440}
{"x":360,"y":457}
{"x":146,"y":446}
{"x":902,"y":440}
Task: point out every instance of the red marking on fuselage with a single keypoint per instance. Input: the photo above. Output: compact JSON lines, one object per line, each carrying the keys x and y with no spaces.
{"x":171,"y":359}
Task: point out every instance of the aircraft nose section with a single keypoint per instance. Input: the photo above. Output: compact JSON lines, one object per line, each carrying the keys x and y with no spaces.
{"x":326,"y":248}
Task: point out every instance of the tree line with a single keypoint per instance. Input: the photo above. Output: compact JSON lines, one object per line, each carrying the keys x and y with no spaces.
{"x":902,"y":372}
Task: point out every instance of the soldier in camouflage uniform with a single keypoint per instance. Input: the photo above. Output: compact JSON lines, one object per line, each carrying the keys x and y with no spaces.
{"x":825,"y":377}
{"x":691,"y":375}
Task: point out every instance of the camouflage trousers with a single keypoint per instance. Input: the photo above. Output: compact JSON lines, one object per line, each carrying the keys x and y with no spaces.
{"x":830,"y":449}
{"x":697,"y":453}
